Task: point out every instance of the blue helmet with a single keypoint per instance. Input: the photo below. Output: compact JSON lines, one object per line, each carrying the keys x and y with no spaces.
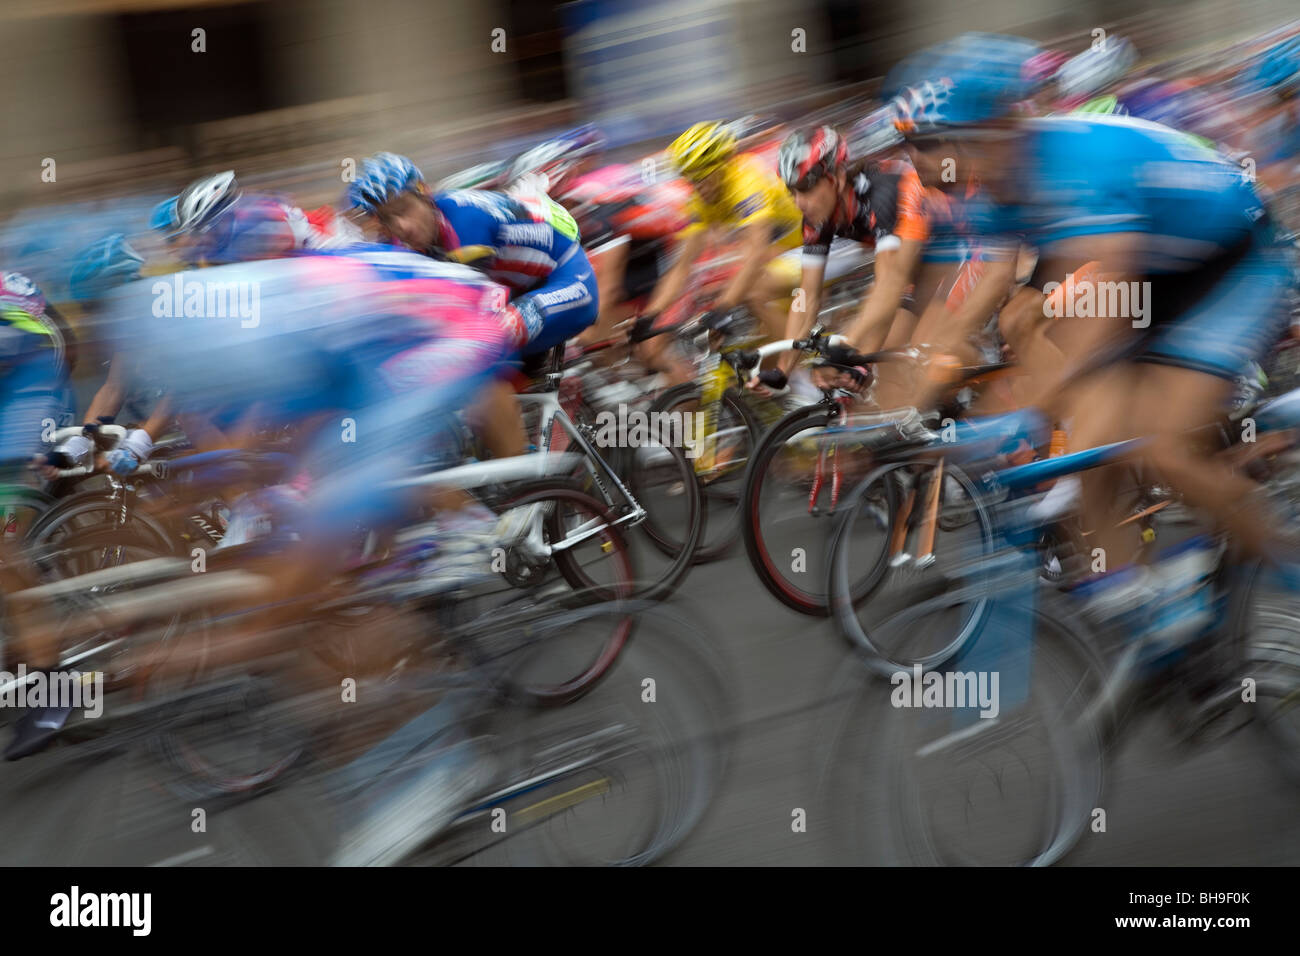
{"x":102,"y":266}
{"x":383,"y":177}
{"x":163,"y":217}
{"x":966,"y":81}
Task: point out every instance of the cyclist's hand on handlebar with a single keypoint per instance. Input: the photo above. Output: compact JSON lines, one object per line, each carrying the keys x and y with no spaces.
{"x":642,"y":327}
{"x":768,"y":381}
{"x":118,"y":461}
{"x":850,"y":379}
{"x":47,"y":466}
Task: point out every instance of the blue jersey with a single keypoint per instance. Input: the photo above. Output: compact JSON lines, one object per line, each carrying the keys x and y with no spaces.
{"x":517,"y":241}
{"x":1100,"y":175}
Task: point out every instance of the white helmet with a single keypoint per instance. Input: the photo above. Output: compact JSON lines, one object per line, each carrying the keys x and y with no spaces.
{"x":1095,"y":69}
{"x":202,"y":199}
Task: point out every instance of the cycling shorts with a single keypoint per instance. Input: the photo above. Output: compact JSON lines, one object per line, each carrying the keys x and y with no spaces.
{"x":1218,"y":318}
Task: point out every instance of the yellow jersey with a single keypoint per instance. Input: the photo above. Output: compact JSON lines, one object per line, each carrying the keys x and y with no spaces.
{"x":750,"y":193}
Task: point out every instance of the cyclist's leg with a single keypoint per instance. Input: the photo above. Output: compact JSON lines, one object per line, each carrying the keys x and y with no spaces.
{"x":497,"y":418}
{"x":1186,"y":378}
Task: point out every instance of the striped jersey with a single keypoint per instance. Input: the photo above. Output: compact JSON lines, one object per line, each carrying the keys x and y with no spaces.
{"x":517,"y":240}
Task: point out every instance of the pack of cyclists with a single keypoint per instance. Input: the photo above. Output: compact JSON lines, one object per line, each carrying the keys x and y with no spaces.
{"x":992,"y":175}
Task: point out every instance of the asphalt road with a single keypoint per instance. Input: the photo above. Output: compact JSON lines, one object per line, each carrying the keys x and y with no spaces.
{"x":1218,"y":804}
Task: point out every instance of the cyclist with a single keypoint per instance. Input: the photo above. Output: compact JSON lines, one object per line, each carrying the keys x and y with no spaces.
{"x":877,"y":204}
{"x":527,"y":243}
{"x":97,"y":270}
{"x":1145,"y":204}
{"x":32,"y":371}
{"x":387,"y":340}
{"x":628,"y":219}
{"x":730,"y":192}
{"x":883,"y":204}
{"x":213,"y":222}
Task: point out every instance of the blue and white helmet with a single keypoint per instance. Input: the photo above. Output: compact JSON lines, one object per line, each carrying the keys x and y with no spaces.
{"x":383,"y":177}
{"x":967,"y":81}
{"x":102,"y":266}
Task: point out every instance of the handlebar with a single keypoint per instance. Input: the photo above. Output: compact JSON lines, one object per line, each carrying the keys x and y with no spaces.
{"x":115,"y":432}
{"x":148,"y":470}
{"x":815,"y":342}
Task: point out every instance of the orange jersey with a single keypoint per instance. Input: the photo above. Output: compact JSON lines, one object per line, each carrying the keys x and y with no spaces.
{"x":886,"y":204}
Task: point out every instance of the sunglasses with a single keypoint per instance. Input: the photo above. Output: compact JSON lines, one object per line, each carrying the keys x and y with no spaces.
{"x":806,"y":182}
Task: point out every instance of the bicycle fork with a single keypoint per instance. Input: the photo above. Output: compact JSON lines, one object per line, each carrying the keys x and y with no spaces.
{"x":825,"y":457}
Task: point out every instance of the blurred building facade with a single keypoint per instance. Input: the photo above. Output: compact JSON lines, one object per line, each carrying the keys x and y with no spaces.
{"x":117,"y":94}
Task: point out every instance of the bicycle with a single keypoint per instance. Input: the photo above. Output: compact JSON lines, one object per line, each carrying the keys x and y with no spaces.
{"x":1072,"y":684}
{"x":798,"y":473}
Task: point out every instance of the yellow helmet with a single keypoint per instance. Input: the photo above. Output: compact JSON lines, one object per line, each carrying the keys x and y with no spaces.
{"x":702,"y":149}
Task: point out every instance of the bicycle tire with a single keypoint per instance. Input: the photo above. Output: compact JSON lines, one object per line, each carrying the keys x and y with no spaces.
{"x":721,"y":514}
{"x":1077,"y":760}
{"x":796,"y":596}
{"x":1275,"y":665}
{"x":845,"y":603}
{"x":683,"y":743}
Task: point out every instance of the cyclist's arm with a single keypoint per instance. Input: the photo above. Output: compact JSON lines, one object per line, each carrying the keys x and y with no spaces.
{"x":800,"y":321}
{"x":893,"y":270}
{"x":757,"y":236}
{"x":159,"y":418}
{"x":108,"y":400}
{"x":673,"y":283}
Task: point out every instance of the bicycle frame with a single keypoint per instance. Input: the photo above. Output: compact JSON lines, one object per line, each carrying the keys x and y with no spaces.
{"x":551,"y":413}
